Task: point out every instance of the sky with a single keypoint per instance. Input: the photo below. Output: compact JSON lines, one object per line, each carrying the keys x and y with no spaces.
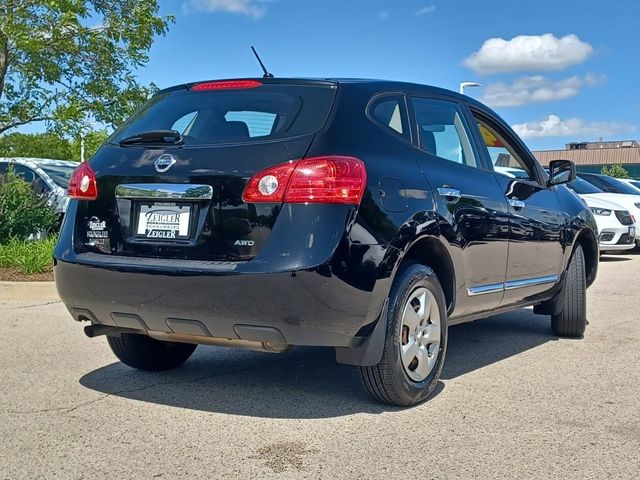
{"x":557,"y":71}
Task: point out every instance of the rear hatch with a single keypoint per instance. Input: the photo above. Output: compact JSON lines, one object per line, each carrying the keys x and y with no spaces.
{"x":170,"y":180}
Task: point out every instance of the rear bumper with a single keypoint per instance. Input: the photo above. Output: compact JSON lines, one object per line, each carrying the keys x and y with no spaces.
{"x":314,"y":307}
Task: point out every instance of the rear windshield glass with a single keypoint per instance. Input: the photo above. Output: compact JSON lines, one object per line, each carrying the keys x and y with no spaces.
{"x":234,"y":116}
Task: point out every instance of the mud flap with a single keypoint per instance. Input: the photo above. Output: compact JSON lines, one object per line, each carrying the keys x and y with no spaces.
{"x":369,"y":352}
{"x":554,"y":305}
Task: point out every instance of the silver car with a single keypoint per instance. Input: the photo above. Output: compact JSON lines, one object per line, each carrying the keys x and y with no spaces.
{"x":47,"y":177}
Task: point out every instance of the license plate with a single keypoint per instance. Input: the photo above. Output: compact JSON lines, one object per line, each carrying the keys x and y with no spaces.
{"x":164,"y":221}
{"x":632,"y":232}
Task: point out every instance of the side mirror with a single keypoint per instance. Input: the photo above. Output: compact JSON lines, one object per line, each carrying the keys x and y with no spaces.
{"x":561,"y":171}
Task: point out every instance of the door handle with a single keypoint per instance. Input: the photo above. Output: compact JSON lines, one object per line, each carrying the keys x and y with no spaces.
{"x":451,"y":194}
{"x":515,"y":203}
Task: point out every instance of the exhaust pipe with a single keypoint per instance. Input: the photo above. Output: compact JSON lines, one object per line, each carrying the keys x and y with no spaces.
{"x":220,"y":342}
{"x":96,"y":330}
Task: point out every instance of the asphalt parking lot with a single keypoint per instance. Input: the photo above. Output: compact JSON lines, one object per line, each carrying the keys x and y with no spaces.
{"x":515,"y":402}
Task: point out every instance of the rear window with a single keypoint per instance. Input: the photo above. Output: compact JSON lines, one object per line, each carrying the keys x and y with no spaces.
{"x":266,"y":112}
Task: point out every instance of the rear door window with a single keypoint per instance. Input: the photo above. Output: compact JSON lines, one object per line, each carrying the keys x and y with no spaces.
{"x":442,"y":131}
{"x":267,"y":112}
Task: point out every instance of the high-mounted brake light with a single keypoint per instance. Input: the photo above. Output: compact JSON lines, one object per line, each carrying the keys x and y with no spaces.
{"x":330,"y":179}
{"x":226,"y":85}
{"x":82,"y":185}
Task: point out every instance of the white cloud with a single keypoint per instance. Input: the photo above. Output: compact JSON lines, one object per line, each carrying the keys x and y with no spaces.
{"x":383,"y":15}
{"x":554,"y":126}
{"x":529,"y":52}
{"x":426,"y":10}
{"x":251,"y":8}
{"x":536,"y":89}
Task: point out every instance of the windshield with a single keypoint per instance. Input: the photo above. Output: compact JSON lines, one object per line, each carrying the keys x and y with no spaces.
{"x":267,"y":112}
{"x":59,"y":174}
{"x":610,"y":184}
{"x":622,"y":187}
{"x":583,"y":187}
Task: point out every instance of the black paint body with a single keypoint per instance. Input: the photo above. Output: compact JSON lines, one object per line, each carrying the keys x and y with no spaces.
{"x":320,"y":274}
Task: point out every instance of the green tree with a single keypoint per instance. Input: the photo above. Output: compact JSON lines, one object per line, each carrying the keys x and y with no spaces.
{"x":50,"y":145}
{"x":617,"y":171}
{"x":39,"y":145}
{"x":62,"y":61}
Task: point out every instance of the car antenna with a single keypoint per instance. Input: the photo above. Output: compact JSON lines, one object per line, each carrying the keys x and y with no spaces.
{"x":266,"y":73}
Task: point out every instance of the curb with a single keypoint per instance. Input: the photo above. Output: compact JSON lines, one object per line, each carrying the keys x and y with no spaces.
{"x":20,"y":291}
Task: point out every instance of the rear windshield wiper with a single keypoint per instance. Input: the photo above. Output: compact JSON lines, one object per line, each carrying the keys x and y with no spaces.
{"x":153,"y":136}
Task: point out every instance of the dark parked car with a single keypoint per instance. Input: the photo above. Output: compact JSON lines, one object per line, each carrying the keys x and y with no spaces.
{"x":609,"y":184}
{"x":356,"y":214}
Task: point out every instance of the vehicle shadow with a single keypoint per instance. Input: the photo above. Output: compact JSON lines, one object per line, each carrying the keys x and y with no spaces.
{"x":613,"y":258}
{"x":306,"y":382}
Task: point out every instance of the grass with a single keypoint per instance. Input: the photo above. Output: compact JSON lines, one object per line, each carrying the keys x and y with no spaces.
{"x":30,"y":257}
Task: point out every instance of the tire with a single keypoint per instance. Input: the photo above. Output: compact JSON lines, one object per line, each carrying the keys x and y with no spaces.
{"x":572,"y":320}
{"x":395,"y":380}
{"x":145,"y":353}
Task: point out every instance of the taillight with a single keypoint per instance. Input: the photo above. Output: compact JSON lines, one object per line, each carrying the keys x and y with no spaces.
{"x":82,"y":185}
{"x":226,"y":85}
{"x":268,"y":185}
{"x":330,"y":179}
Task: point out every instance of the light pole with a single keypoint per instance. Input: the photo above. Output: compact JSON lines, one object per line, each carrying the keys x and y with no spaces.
{"x":468,"y":84}
{"x":85,"y":129}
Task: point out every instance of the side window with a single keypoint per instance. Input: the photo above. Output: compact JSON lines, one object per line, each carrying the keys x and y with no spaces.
{"x":25,"y":173}
{"x":37,"y":183}
{"x":442,"y":131}
{"x":390,"y":113}
{"x":505,"y":160}
{"x":258,"y":124}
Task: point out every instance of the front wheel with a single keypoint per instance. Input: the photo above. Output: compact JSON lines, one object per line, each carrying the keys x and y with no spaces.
{"x":415,"y":343}
{"x":572,"y":320}
{"x":146,"y":353}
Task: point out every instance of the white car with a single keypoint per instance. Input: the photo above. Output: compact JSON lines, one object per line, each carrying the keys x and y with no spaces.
{"x":616,"y":226}
{"x":632,"y":182}
{"x":613,"y":202}
{"x":47,"y":177}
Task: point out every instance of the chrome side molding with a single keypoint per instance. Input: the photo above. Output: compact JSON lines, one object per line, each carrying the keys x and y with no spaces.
{"x":511,"y":285}
{"x":530,"y":282}
{"x":483,"y":289}
{"x":161,"y":191}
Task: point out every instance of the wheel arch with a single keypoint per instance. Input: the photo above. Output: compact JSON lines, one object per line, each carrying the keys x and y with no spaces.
{"x":431,"y":252}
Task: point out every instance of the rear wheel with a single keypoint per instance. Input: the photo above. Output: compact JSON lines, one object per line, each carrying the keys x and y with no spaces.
{"x":572,"y":320}
{"x":146,"y":353}
{"x":416,"y":340}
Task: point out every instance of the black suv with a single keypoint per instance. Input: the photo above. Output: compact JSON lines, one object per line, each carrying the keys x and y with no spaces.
{"x":363,"y":215}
